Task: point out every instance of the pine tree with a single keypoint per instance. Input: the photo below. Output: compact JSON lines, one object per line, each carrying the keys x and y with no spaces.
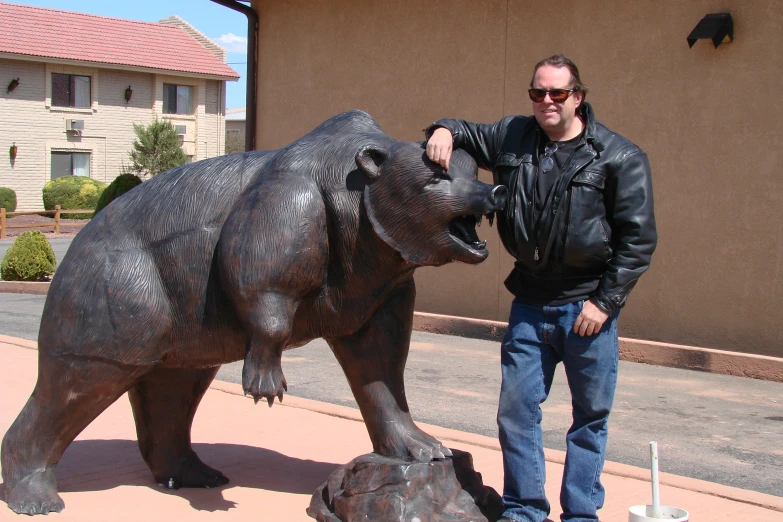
{"x":156,"y":149}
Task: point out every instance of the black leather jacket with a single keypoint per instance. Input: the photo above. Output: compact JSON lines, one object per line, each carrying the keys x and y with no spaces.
{"x":597,"y":223}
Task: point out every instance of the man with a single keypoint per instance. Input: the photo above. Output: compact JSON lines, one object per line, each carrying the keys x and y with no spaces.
{"x":580,"y":225}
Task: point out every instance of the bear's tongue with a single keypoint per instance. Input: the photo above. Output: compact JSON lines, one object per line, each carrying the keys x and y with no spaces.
{"x":464,"y":229}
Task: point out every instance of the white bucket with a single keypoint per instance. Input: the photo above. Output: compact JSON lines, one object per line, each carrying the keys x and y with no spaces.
{"x":645,"y":514}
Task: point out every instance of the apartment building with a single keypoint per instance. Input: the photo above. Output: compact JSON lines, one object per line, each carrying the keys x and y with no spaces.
{"x":72,"y":85}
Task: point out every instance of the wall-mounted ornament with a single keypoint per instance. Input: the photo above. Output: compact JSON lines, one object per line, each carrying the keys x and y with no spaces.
{"x":718,"y":27}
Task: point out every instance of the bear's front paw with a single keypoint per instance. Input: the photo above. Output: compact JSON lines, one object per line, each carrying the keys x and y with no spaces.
{"x":265,"y":381}
{"x":411,"y":442}
{"x":34,"y":494}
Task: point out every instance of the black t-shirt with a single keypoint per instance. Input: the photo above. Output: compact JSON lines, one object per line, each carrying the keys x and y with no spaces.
{"x":546,"y":180}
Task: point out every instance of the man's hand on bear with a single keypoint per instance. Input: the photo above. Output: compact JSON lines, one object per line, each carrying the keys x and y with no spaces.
{"x":439,"y":147}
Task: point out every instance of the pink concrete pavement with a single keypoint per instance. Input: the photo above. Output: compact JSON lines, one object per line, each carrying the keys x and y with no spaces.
{"x":276,"y":458}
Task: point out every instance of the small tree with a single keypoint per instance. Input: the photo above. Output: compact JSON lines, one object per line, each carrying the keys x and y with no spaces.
{"x":235,"y":142}
{"x":156,"y":149}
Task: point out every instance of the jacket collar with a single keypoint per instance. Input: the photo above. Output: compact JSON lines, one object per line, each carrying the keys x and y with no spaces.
{"x":590,"y":135}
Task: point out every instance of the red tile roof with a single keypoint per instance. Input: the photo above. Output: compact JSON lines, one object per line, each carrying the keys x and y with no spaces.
{"x":65,"y":35}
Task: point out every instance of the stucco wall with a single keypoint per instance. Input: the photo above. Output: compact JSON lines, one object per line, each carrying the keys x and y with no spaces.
{"x":707,"y":117}
{"x":28,"y":119}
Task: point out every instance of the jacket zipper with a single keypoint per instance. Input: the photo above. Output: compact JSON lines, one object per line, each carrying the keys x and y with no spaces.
{"x":562,"y":240}
{"x":537,"y":145}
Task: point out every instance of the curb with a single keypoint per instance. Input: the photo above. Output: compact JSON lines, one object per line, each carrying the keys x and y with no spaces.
{"x":558,"y":457}
{"x":634,"y":350}
{"x":16,"y":341}
{"x":23,"y":287}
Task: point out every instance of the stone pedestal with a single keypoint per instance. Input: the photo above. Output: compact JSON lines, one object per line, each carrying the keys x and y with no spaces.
{"x":382,"y":489}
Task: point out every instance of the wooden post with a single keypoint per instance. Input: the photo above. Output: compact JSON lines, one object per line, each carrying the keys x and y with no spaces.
{"x":57,"y":219}
{"x":2,"y":223}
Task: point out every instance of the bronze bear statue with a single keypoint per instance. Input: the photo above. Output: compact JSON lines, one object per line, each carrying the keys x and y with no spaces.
{"x":241,"y":257}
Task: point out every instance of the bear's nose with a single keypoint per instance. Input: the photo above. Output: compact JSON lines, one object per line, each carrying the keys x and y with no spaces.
{"x":498,"y":197}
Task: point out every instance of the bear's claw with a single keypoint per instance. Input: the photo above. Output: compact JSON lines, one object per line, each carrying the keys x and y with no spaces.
{"x":411,"y":442}
{"x":265,"y":382}
{"x":35,"y":494}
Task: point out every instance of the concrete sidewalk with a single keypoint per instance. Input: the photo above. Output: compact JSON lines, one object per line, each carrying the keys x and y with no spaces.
{"x":276,"y":458}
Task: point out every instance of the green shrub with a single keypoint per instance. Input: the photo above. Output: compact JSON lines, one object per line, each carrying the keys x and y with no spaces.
{"x":156,"y":148}
{"x":30,"y":258}
{"x":71,"y":193}
{"x":7,"y":199}
{"x":121,"y":184}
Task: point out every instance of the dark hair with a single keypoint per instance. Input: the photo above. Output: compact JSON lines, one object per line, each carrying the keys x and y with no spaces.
{"x":559,"y":60}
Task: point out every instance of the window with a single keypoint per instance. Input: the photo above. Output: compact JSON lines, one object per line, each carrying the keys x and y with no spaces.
{"x":177,"y":99}
{"x":70,"y":164}
{"x":69,"y":90}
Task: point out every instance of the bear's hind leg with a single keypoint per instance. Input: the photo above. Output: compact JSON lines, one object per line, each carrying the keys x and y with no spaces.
{"x":70,"y":393}
{"x":164,"y":404}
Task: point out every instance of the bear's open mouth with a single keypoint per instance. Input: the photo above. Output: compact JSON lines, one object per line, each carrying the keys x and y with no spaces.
{"x":463,"y":228}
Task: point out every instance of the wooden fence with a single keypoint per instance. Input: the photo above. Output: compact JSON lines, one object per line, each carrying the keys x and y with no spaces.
{"x":56,"y":213}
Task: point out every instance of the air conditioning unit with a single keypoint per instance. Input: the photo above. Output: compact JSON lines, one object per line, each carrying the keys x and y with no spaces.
{"x":76,"y":126}
{"x":181,"y":129}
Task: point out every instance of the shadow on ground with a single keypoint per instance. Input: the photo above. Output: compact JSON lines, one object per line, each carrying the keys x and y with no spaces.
{"x":99,"y":465}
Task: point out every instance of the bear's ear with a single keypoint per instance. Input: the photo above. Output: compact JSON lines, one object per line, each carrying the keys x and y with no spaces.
{"x":369,"y":159}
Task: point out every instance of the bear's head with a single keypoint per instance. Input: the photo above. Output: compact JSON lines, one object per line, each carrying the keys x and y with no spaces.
{"x":424,"y":212}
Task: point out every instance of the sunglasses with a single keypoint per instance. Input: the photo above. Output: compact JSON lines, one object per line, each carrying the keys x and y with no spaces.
{"x":547,"y":163}
{"x":557,"y":95}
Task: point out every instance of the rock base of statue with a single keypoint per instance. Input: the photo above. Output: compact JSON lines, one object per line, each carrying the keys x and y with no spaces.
{"x":372,"y":487}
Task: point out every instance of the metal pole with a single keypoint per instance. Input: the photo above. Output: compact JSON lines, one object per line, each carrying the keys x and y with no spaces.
{"x":251,"y":97}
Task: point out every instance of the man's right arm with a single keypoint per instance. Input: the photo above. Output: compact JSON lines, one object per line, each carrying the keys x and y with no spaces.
{"x":480,"y":140}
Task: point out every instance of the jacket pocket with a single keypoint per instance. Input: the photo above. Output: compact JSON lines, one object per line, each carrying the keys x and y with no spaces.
{"x":587,"y":243}
{"x":506,"y":172}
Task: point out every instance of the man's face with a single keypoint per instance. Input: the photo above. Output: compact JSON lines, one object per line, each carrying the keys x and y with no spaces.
{"x":555,"y":118}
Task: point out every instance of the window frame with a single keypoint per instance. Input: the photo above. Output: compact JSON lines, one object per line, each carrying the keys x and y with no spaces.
{"x":166,"y":109}
{"x":71,"y":90}
{"x":70,"y":153}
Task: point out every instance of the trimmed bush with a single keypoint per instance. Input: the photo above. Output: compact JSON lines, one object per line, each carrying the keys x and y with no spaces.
{"x":7,"y":199}
{"x":121,"y":184}
{"x":30,"y":258}
{"x":71,"y":193}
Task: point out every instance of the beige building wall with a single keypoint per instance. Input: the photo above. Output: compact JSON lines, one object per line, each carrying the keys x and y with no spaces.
{"x":707,"y":117}
{"x":28,"y":119}
{"x":235,"y":129}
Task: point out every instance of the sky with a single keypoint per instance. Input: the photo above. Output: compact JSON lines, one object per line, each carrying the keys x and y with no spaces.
{"x":226,"y":27}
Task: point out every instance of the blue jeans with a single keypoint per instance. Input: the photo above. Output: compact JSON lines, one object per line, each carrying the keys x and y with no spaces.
{"x":538,"y":338}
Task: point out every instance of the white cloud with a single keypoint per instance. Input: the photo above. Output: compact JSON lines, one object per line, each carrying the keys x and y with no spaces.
{"x":232,"y":43}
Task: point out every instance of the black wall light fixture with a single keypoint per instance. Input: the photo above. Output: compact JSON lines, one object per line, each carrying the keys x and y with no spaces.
{"x":716,"y":26}
{"x":128,"y":94}
{"x":11,"y":86}
{"x":12,"y":152}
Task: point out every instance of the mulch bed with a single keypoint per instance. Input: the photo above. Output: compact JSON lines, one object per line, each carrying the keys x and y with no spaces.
{"x":68,"y":227}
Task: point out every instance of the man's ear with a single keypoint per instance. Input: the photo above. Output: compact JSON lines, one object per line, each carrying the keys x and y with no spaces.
{"x":369,"y":160}
{"x":580,"y":98}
